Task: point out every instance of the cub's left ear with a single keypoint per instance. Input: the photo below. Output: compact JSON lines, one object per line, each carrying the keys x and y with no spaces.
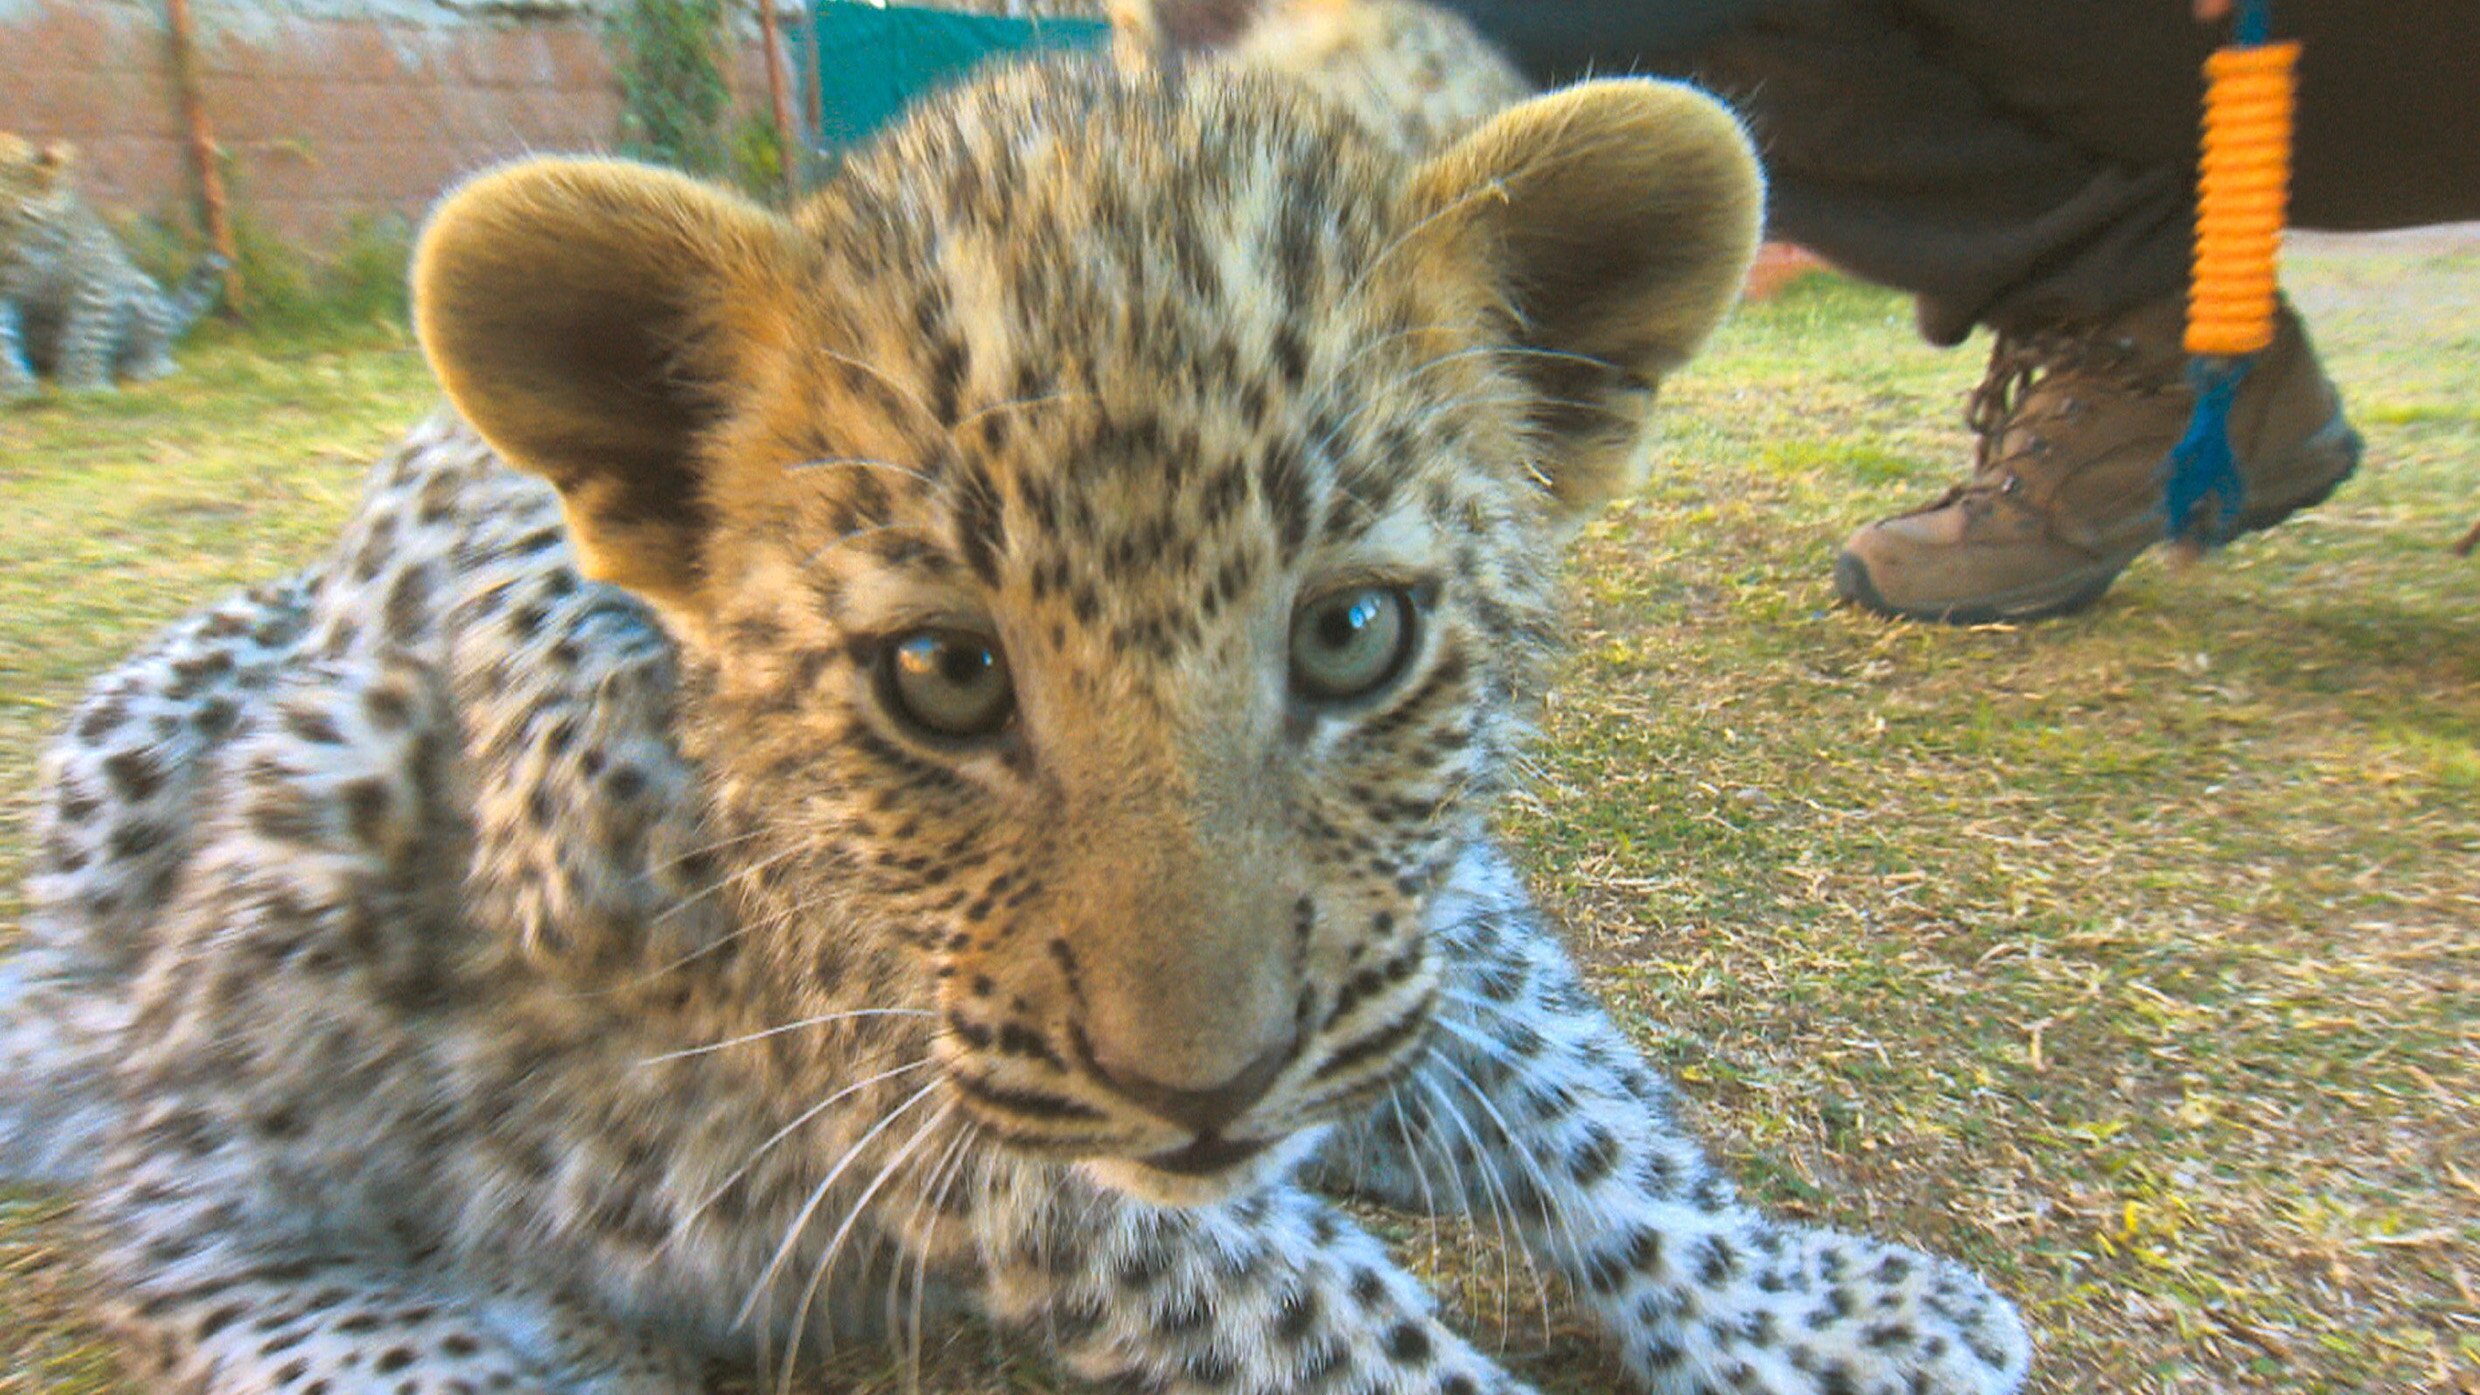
{"x":1616,"y":220}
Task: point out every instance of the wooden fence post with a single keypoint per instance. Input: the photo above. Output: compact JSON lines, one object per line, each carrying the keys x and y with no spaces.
{"x":213,"y":211}
{"x":787,"y":138}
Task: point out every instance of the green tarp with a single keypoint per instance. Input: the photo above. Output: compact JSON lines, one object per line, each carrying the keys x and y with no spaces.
{"x":874,"y":60}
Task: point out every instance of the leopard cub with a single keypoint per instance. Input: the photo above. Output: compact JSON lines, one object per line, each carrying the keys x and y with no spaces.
{"x":72,"y":303}
{"x":936,"y":745}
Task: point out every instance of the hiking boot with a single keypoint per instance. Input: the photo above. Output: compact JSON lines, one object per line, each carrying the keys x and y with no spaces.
{"x":2073,"y":426}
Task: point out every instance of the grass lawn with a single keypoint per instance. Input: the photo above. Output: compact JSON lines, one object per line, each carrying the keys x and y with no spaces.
{"x":2134,"y":958}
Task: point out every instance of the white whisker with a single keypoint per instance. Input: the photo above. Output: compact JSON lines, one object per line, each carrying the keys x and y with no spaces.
{"x":681,"y":1226}
{"x":1407,"y":332}
{"x":1517,"y":350}
{"x":943,"y":1180}
{"x":635,"y":981}
{"x":895,"y":384}
{"x":817,"y":1198}
{"x":1502,"y":1211}
{"x":737,"y":876}
{"x":705,"y":849}
{"x":857,"y":535}
{"x":1557,"y":1224}
{"x":1436,"y":1142}
{"x":818,"y":1021}
{"x":1014,"y":404}
{"x":1420,"y":1173}
{"x":1494,"y":189}
{"x":852,"y":1217}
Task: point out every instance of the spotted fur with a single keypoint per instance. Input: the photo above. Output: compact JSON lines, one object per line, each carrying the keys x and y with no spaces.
{"x":72,"y":304}
{"x":530,"y":951}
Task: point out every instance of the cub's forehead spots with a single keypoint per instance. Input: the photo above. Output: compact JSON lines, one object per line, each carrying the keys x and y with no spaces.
{"x":1026,"y":223}
{"x":1088,"y":449}
{"x":1134,"y":378}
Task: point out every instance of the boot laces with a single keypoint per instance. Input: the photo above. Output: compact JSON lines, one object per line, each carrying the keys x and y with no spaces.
{"x":2020,"y":360}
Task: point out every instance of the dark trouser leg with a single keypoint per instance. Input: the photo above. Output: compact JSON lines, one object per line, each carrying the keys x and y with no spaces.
{"x":2015,"y":162}
{"x":2024,"y":163}
{"x":1892,"y":159}
{"x":2028,"y":165}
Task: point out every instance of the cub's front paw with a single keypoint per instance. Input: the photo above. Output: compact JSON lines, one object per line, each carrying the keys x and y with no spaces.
{"x":1795,"y":1310}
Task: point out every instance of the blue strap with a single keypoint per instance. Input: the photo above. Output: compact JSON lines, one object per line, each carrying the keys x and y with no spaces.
{"x":2254,"y":24}
{"x":2201,"y":465}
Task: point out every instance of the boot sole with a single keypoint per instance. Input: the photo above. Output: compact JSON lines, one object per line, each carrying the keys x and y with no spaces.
{"x":2054,"y":596}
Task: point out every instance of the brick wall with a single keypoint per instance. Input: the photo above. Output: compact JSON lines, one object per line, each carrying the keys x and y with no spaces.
{"x":326,"y":109}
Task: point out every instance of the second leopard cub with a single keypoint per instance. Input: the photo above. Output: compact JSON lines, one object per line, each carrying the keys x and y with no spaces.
{"x":973,"y":772}
{"x":72,"y":303}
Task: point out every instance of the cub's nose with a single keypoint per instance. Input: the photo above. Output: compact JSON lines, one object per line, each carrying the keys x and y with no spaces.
{"x":1208,"y":1111}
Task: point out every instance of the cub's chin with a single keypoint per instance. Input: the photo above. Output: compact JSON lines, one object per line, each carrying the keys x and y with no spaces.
{"x":1206,"y":1173}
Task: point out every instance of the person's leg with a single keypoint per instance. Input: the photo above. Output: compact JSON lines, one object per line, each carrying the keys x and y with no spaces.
{"x":2028,"y":165}
{"x":2032,"y":161}
{"x":2023,"y":167}
{"x":2085,"y":395}
{"x":1890,"y":150}
{"x":1888,"y":146}
{"x":2082,"y":97}
{"x":2389,"y":120}
{"x":1992,"y":160}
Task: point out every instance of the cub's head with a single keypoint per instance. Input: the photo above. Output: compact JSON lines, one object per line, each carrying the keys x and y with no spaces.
{"x":1110,"y":535}
{"x":32,"y":177}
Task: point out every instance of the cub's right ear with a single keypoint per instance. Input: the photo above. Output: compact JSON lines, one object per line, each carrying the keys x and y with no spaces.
{"x":593,"y":319}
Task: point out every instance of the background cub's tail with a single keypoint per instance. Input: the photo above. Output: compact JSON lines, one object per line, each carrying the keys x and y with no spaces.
{"x":197,"y":293}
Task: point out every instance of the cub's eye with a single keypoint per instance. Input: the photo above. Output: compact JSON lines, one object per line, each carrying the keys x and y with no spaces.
{"x":948,"y":683}
{"x":1351,"y":643}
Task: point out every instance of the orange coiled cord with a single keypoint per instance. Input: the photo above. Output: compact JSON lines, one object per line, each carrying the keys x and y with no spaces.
{"x":2241,"y":197}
